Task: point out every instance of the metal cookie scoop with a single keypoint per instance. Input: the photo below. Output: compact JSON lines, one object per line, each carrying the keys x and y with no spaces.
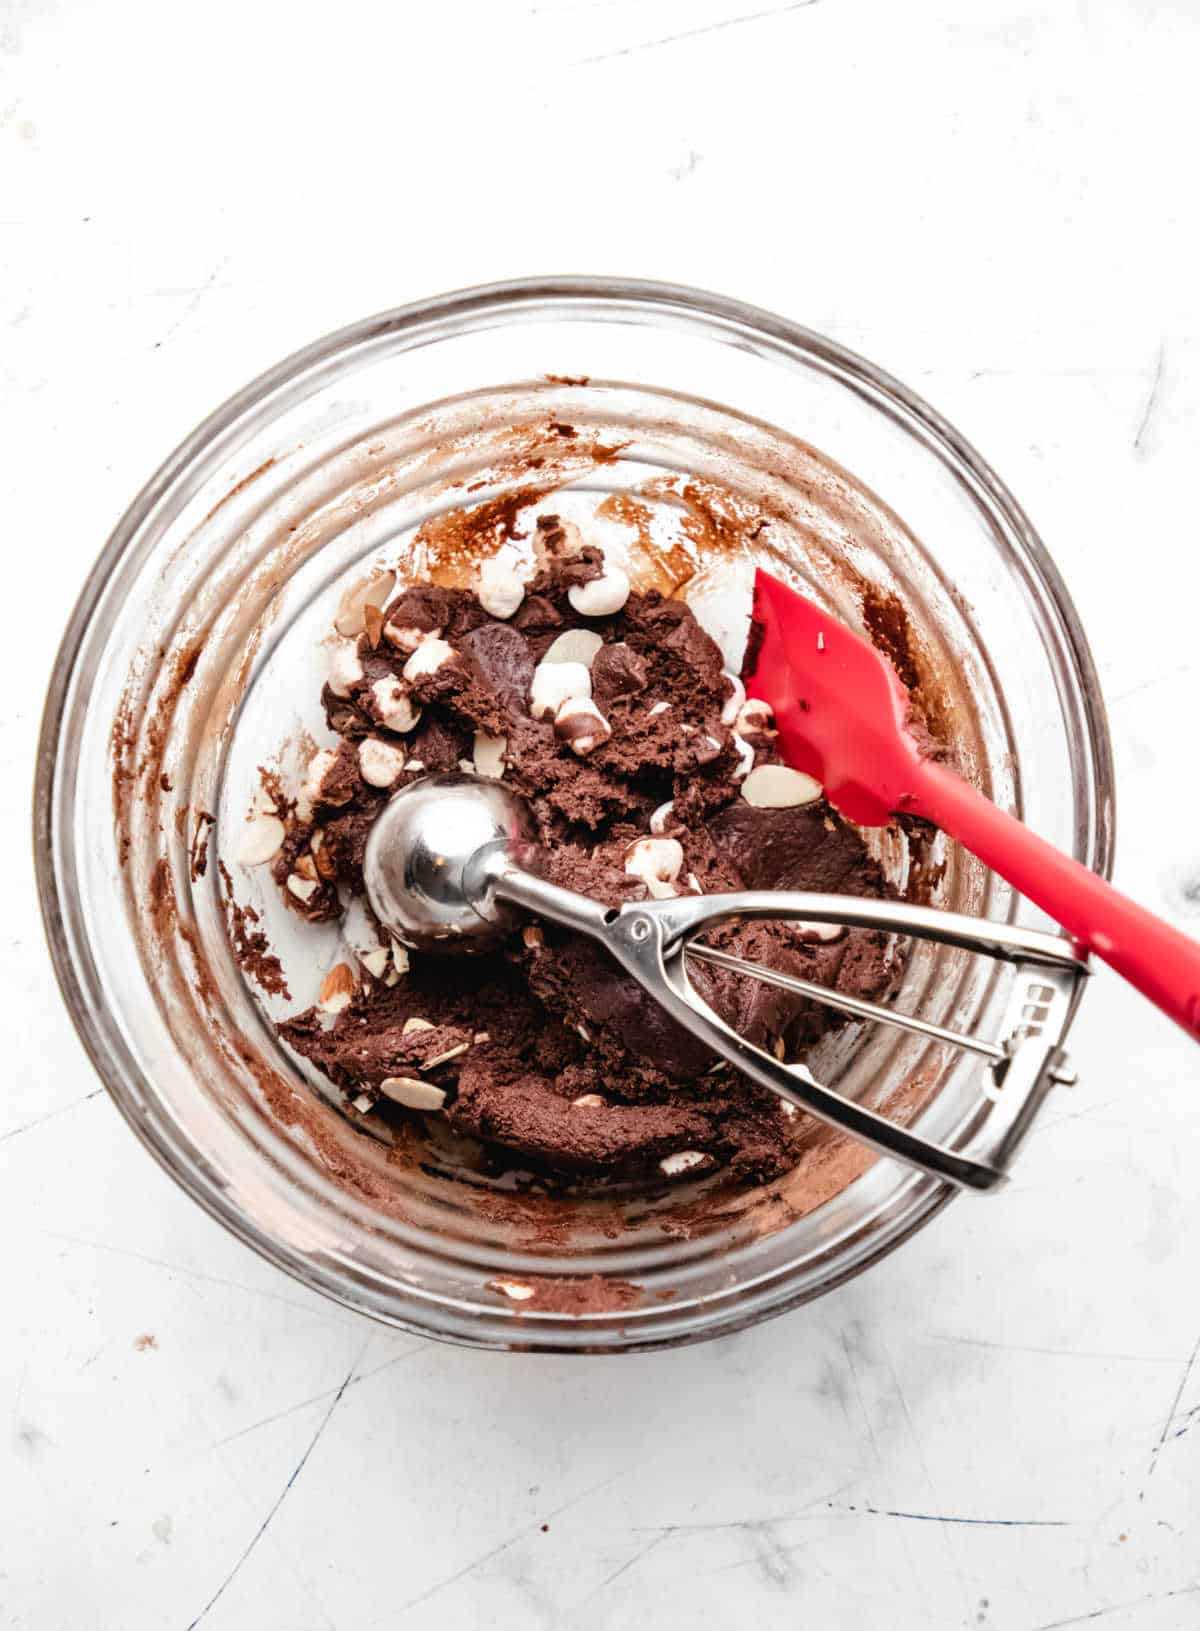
{"x":451,"y":865}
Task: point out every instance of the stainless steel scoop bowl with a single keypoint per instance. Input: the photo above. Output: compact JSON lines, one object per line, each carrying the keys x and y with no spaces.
{"x":452,"y":865}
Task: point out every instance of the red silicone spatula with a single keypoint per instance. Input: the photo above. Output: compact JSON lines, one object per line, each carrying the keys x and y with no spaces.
{"x":842,"y":714}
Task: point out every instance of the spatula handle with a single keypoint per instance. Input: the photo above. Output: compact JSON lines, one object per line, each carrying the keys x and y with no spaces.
{"x":1161,"y":962}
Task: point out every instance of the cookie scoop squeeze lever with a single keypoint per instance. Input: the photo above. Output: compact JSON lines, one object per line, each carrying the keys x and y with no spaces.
{"x":842,"y":715}
{"x":451,"y":865}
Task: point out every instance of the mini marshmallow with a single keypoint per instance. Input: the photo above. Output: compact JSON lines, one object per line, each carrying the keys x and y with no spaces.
{"x":581,"y":725}
{"x":657,"y":862}
{"x":659,"y":819}
{"x":603,"y":595}
{"x":429,"y":656}
{"x":553,"y":683}
{"x":397,"y":711}
{"x":682,"y":1161}
{"x":755,"y":718}
{"x":406,"y":638}
{"x":745,"y":755}
{"x":314,"y":777}
{"x":379,"y":762}
{"x":488,"y":755}
{"x":499,"y":590}
{"x":345,"y":670}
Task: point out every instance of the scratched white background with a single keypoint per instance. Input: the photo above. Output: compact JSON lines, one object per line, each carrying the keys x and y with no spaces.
{"x":1000,"y":1426}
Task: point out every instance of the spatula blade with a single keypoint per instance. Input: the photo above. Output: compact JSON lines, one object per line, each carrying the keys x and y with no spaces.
{"x":840,"y":706}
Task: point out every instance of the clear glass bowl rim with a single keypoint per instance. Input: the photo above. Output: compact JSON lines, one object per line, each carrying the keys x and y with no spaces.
{"x":597,"y":298}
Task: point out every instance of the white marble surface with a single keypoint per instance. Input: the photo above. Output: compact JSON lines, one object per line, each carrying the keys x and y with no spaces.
{"x":1000,"y":1426}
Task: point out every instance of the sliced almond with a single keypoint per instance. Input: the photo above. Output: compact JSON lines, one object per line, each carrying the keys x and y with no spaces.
{"x":306,"y":866}
{"x":517,"y":1290}
{"x":779,"y":787}
{"x":412,"y":1094}
{"x":482,"y":1036}
{"x":261,"y":840}
{"x":376,"y":962}
{"x":444,"y":1058}
{"x":373,"y":623}
{"x":533,"y":936}
{"x":337,"y":989}
{"x":399,"y":959}
{"x":575,"y":646}
{"x":303,"y":888}
{"x":350,"y":618}
{"x":588,"y":1101}
{"x":414,"y":1024}
{"x":322,"y":855}
{"x":363,"y":1102}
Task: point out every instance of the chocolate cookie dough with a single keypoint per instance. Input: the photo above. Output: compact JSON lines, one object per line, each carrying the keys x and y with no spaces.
{"x":610,"y":713}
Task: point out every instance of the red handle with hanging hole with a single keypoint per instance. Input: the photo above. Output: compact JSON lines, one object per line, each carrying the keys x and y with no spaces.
{"x":843,"y":716}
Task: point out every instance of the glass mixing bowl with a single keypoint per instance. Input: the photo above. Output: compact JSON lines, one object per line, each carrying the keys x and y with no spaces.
{"x":192,"y":649}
